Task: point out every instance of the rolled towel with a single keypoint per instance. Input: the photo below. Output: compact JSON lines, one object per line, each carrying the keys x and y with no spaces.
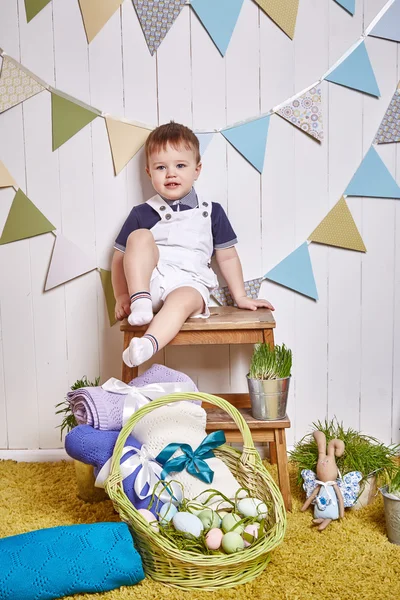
{"x":95,"y":447}
{"x":61,"y":561}
{"x":104,"y":410}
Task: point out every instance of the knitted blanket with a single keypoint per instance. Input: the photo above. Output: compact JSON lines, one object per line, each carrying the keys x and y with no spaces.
{"x":104,"y":410}
{"x":57,"y":562}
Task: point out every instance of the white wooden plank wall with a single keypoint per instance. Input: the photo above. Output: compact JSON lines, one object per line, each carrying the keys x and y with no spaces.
{"x":346,"y":346}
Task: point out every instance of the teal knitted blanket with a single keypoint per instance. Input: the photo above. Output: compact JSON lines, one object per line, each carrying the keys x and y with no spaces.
{"x":61,"y":561}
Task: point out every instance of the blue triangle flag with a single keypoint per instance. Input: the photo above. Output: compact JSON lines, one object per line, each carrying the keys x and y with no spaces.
{"x":349,"y":5}
{"x":250,"y":139}
{"x":356,"y":72}
{"x":204,"y":140}
{"x":372,"y":179}
{"x":219,"y":18}
{"x":388,"y":26}
{"x":295,"y":272}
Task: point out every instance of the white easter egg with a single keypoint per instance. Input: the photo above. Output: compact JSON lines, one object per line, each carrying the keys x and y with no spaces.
{"x":252,"y":507}
{"x":188,"y":524}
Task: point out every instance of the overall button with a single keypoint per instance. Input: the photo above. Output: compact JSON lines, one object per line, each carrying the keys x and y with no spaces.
{"x":205,"y":214}
{"x":162,"y":207}
{"x":168,"y":216}
{"x":205,"y":204}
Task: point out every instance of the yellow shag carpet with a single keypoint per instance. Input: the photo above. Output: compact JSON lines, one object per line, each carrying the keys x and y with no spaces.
{"x":351,"y":560}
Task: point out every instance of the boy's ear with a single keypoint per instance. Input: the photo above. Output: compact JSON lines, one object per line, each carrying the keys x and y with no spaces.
{"x":148,"y":172}
{"x":198,"y":170}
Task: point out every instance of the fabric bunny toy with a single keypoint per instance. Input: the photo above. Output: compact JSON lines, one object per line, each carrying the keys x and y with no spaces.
{"x":326,"y":496}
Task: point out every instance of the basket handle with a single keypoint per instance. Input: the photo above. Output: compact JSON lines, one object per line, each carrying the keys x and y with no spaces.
{"x":249,"y":455}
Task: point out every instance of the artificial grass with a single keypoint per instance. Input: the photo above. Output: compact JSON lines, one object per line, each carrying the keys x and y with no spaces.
{"x":351,"y":559}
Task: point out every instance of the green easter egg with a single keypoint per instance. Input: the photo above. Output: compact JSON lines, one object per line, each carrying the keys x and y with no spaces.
{"x":209,"y":518}
{"x":232,"y":542}
{"x":229,"y":522}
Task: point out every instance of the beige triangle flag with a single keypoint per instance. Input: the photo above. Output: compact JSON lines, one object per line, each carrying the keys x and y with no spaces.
{"x":67,"y":262}
{"x":5,"y":178}
{"x":16,"y":85}
{"x":96,"y":13}
{"x":283,"y":12}
{"x":125,"y":141}
{"x":108,"y":294}
{"x":339,"y":229}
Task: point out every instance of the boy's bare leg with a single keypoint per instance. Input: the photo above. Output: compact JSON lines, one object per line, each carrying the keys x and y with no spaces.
{"x":178,"y":306}
{"x":141,"y":257}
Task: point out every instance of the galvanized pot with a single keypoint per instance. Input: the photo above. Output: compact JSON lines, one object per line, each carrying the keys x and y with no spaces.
{"x":268,"y":398}
{"x":392,"y":515}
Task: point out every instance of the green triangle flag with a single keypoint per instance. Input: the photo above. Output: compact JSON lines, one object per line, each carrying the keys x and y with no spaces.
{"x":109,"y":294}
{"x":33,"y":7}
{"x":24,"y":220}
{"x":68,"y":118}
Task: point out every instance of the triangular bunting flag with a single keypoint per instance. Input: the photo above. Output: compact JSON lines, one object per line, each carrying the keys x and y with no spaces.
{"x":305,"y":113}
{"x":339,"y":229}
{"x":372,"y":179}
{"x":95,"y":15}
{"x":389,"y":129}
{"x":250,"y":139}
{"x":388,"y":26}
{"x":283,"y":12}
{"x":5,"y":178}
{"x":349,"y":5}
{"x":16,"y":85}
{"x":24,"y":220}
{"x":125,"y":141}
{"x":204,"y":140}
{"x":156,"y":18}
{"x":219,"y":18}
{"x":67,"y":262}
{"x":33,"y":7}
{"x":223,"y":296}
{"x":67,"y":119}
{"x":356,"y":72}
{"x":295,"y":272}
{"x":109,"y":294}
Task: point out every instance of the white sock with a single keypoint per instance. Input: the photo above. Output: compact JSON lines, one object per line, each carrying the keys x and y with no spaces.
{"x":141,"y":309}
{"x":140,"y":350}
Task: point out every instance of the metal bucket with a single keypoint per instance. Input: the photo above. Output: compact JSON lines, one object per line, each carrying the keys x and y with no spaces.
{"x":268,"y":398}
{"x":392,"y":515}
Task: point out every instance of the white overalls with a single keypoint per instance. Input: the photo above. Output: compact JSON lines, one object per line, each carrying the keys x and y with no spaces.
{"x":185,"y":242}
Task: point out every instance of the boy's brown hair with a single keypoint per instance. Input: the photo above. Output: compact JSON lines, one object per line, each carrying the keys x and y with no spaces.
{"x":173,"y":134}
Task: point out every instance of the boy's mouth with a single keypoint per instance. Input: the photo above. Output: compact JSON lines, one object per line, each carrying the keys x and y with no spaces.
{"x":171,"y":185}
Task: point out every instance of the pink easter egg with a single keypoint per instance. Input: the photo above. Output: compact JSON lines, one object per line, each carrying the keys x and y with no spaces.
{"x":251,"y":529}
{"x":214,"y":538}
{"x":149,"y":517}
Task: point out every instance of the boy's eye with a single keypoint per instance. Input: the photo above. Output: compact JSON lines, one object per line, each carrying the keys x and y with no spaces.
{"x":160,"y":167}
{"x":181,"y":166}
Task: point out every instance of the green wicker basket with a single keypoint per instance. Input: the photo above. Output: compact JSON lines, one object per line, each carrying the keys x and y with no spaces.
{"x":165,"y":563}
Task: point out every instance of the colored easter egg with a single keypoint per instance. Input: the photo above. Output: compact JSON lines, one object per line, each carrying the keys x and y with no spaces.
{"x":167,"y":511}
{"x":252,"y":507}
{"x":251,"y":529}
{"x":232,"y":542}
{"x":188,"y":524}
{"x":146,"y":514}
{"x":214,"y":538}
{"x":209,"y":518}
{"x":229,"y":521}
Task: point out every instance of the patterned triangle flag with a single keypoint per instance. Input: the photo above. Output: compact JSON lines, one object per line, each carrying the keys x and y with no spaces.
{"x":349,"y":5}
{"x":24,"y":220}
{"x":372,"y":179}
{"x":156,"y":18}
{"x":389,"y":129}
{"x":33,"y":7}
{"x":250,"y":140}
{"x":5,"y":178}
{"x":125,"y":141}
{"x":68,"y":118}
{"x":67,"y":262}
{"x":204,"y":141}
{"x":356,"y":72}
{"x":95,"y":15}
{"x":388,"y":26}
{"x":305,"y":113}
{"x":219,"y":18}
{"x":339,"y":229}
{"x":295,"y":272}
{"x":16,"y":85}
{"x":283,"y":12}
{"x":223,"y":296}
{"x":108,"y":294}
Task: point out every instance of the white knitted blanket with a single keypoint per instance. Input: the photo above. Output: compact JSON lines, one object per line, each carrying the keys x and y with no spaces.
{"x":184,"y":423}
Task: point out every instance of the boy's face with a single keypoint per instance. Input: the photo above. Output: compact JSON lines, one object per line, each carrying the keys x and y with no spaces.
{"x":173,"y":171}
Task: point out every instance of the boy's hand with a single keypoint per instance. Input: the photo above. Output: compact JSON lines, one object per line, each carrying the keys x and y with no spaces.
{"x":250,"y":304}
{"x":122,"y":307}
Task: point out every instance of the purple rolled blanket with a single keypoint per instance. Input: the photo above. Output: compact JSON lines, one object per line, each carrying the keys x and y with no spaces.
{"x":95,"y":447}
{"x":104,"y":410}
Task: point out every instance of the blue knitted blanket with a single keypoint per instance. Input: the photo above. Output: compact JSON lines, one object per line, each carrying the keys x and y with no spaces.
{"x":61,"y":561}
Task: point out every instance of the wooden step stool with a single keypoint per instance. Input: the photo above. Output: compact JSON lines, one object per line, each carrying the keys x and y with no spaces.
{"x":228,"y":325}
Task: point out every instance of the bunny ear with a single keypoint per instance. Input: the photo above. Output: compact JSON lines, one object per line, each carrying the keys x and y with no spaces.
{"x":335,"y":448}
{"x":320,"y":438}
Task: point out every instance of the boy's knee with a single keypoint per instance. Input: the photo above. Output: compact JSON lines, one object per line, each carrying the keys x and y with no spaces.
{"x":142,"y":236}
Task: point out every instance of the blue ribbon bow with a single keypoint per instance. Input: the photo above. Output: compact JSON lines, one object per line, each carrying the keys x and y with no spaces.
{"x":193,"y":461}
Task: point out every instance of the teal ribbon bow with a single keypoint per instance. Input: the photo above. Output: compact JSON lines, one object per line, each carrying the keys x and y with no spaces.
{"x":193,"y":461}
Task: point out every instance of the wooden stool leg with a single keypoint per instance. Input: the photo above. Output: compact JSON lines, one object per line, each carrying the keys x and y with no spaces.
{"x":128,"y":373}
{"x":273,"y":458}
{"x":268,"y":335}
{"x":283,"y":473}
